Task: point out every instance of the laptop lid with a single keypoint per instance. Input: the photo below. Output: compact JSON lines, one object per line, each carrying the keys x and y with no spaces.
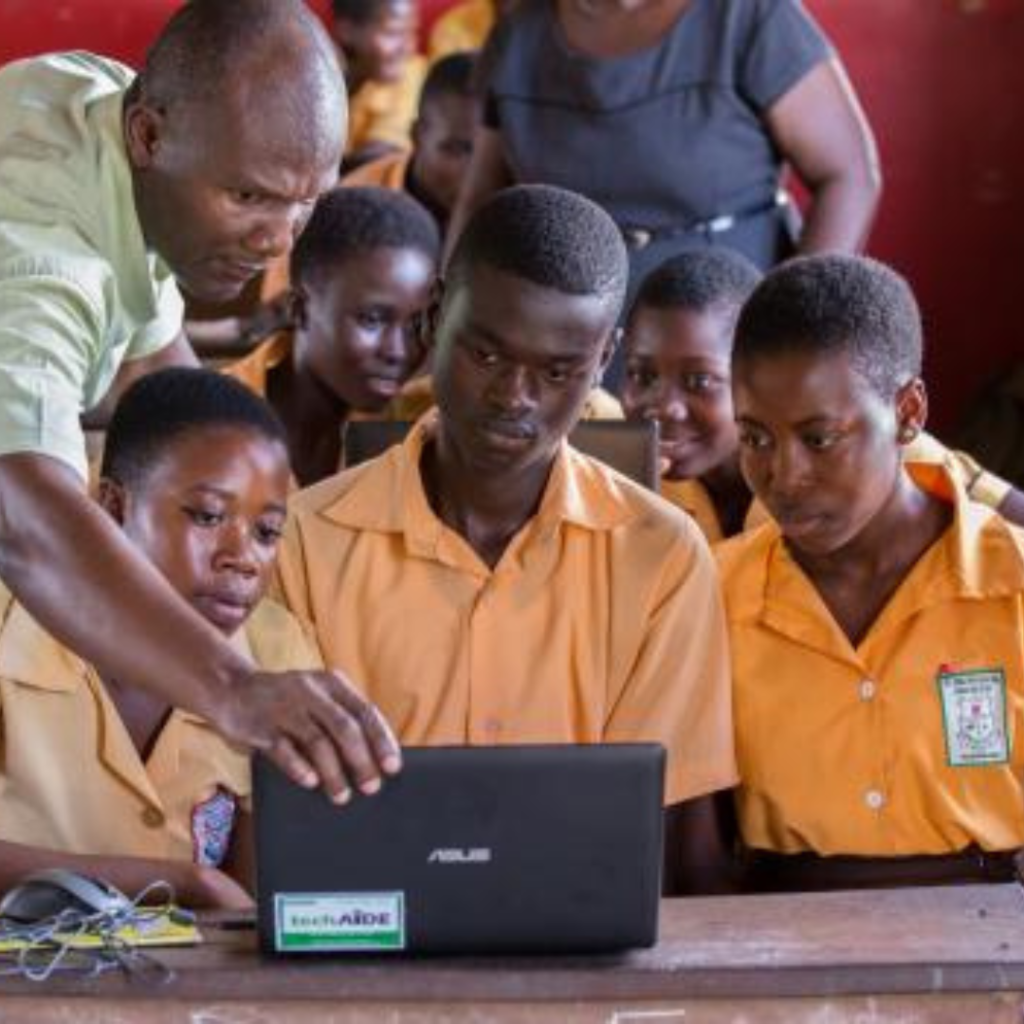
{"x":468,"y":850}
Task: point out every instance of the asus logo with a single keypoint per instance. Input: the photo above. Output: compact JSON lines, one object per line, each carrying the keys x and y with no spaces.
{"x":454,"y":855}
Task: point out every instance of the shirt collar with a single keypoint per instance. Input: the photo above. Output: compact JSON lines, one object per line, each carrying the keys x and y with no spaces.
{"x":979,"y":556}
{"x":390,"y":497}
{"x":30,"y":656}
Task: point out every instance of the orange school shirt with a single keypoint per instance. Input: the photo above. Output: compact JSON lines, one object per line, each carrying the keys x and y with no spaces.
{"x":71,"y":779}
{"x":913,"y":741}
{"x":695,"y":500}
{"x":386,"y":171}
{"x":601,"y":622}
{"x":385,"y":111}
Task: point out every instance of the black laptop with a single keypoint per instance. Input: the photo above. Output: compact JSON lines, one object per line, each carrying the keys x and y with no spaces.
{"x":527,"y":849}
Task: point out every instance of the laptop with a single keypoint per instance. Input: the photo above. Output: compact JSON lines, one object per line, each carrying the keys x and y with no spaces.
{"x":528,"y":849}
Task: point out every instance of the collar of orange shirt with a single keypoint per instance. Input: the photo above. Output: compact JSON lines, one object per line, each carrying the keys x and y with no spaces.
{"x":980,"y":556}
{"x":388,"y":496}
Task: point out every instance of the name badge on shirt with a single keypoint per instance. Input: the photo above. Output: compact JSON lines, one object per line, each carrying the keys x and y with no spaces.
{"x":974,"y":717}
{"x":212,"y":822}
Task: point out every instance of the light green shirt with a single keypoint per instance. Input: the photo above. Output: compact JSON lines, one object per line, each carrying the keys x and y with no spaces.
{"x":79,"y":292}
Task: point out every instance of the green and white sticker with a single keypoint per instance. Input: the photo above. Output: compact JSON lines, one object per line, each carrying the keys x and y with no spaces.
{"x":974,"y":717}
{"x":339,"y":922}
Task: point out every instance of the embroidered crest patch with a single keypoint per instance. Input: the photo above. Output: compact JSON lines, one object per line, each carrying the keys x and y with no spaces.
{"x":212,"y":822}
{"x":974,"y":717}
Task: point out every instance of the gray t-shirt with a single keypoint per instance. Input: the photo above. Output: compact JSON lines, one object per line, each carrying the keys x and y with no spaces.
{"x":670,"y":135}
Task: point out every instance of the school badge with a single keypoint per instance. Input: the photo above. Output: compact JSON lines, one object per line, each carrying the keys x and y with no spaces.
{"x":974,"y":717}
{"x":212,"y":821}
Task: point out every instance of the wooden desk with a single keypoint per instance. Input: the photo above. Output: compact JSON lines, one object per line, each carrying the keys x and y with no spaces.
{"x":912,"y":956}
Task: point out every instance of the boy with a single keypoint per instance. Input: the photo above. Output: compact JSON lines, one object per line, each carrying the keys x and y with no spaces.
{"x":362,"y":272}
{"x":679,"y":337}
{"x":104,"y":778}
{"x":500,"y":587}
{"x":442,"y":141}
{"x":376,"y":41}
{"x":876,"y":625}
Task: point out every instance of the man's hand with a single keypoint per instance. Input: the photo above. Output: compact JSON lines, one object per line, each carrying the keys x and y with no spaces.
{"x":315,"y":727}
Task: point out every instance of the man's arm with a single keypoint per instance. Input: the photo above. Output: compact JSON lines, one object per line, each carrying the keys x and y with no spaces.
{"x":194,"y":886}
{"x":74,"y":571}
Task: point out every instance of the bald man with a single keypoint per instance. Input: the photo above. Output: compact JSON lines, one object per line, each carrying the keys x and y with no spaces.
{"x":115,"y":190}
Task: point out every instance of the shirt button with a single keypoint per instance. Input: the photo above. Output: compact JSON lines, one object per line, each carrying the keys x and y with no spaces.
{"x":492,"y":726}
{"x":874,"y":799}
{"x":152,"y":818}
{"x":867,"y":689}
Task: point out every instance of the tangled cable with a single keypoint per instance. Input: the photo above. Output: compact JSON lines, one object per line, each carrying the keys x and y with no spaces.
{"x":51,"y":944}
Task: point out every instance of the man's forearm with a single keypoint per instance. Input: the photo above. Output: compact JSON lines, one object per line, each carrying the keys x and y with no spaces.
{"x":66,"y":561}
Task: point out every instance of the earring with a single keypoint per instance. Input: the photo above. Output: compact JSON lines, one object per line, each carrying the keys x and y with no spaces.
{"x":907,"y":434}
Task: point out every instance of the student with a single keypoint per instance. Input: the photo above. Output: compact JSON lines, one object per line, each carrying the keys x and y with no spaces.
{"x":678,"y":342}
{"x":102,"y":777}
{"x":363,"y":272}
{"x":442,"y":141}
{"x":876,"y":625}
{"x":501,"y":587}
{"x":376,"y":42}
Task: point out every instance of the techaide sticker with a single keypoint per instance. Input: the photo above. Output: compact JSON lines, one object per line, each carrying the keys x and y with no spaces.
{"x":339,"y":922}
{"x":974,"y":717}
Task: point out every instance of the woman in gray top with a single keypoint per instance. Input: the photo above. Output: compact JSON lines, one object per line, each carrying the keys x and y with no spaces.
{"x":678,"y":116}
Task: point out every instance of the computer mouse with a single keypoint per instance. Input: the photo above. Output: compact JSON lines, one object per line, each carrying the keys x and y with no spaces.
{"x":47,"y":893}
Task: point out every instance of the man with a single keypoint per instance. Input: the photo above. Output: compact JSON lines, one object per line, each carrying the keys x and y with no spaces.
{"x":112,"y":189}
{"x":487,"y":584}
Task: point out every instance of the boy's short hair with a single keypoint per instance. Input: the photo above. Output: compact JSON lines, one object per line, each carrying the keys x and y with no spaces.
{"x":837,"y":303}
{"x":163,"y":406}
{"x":699,"y":280}
{"x":348,"y":221}
{"x":549,"y":236}
{"x":359,"y":12}
{"x":453,"y":75}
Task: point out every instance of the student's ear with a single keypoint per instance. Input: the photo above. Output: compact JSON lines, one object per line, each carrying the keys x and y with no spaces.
{"x":611,"y":343}
{"x":911,"y":410}
{"x":144,"y":127}
{"x":296,"y":306}
{"x":427,"y":321}
{"x":113,"y":499}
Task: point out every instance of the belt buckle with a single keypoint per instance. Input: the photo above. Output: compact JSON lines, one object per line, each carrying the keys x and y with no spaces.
{"x":637,"y":238}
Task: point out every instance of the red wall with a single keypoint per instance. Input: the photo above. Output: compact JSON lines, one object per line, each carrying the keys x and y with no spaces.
{"x":943,"y":84}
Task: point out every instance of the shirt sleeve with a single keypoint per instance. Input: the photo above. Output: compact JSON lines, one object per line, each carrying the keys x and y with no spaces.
{"x":49,"y":333}
{"x":279,"y":642}
{"x":785,"y":43}
{"x":678,"y":692}
{"x":166,"y":325}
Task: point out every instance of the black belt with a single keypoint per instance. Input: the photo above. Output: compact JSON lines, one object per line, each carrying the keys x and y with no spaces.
{"x":637,"y":236}
{"x":807,"y":872}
